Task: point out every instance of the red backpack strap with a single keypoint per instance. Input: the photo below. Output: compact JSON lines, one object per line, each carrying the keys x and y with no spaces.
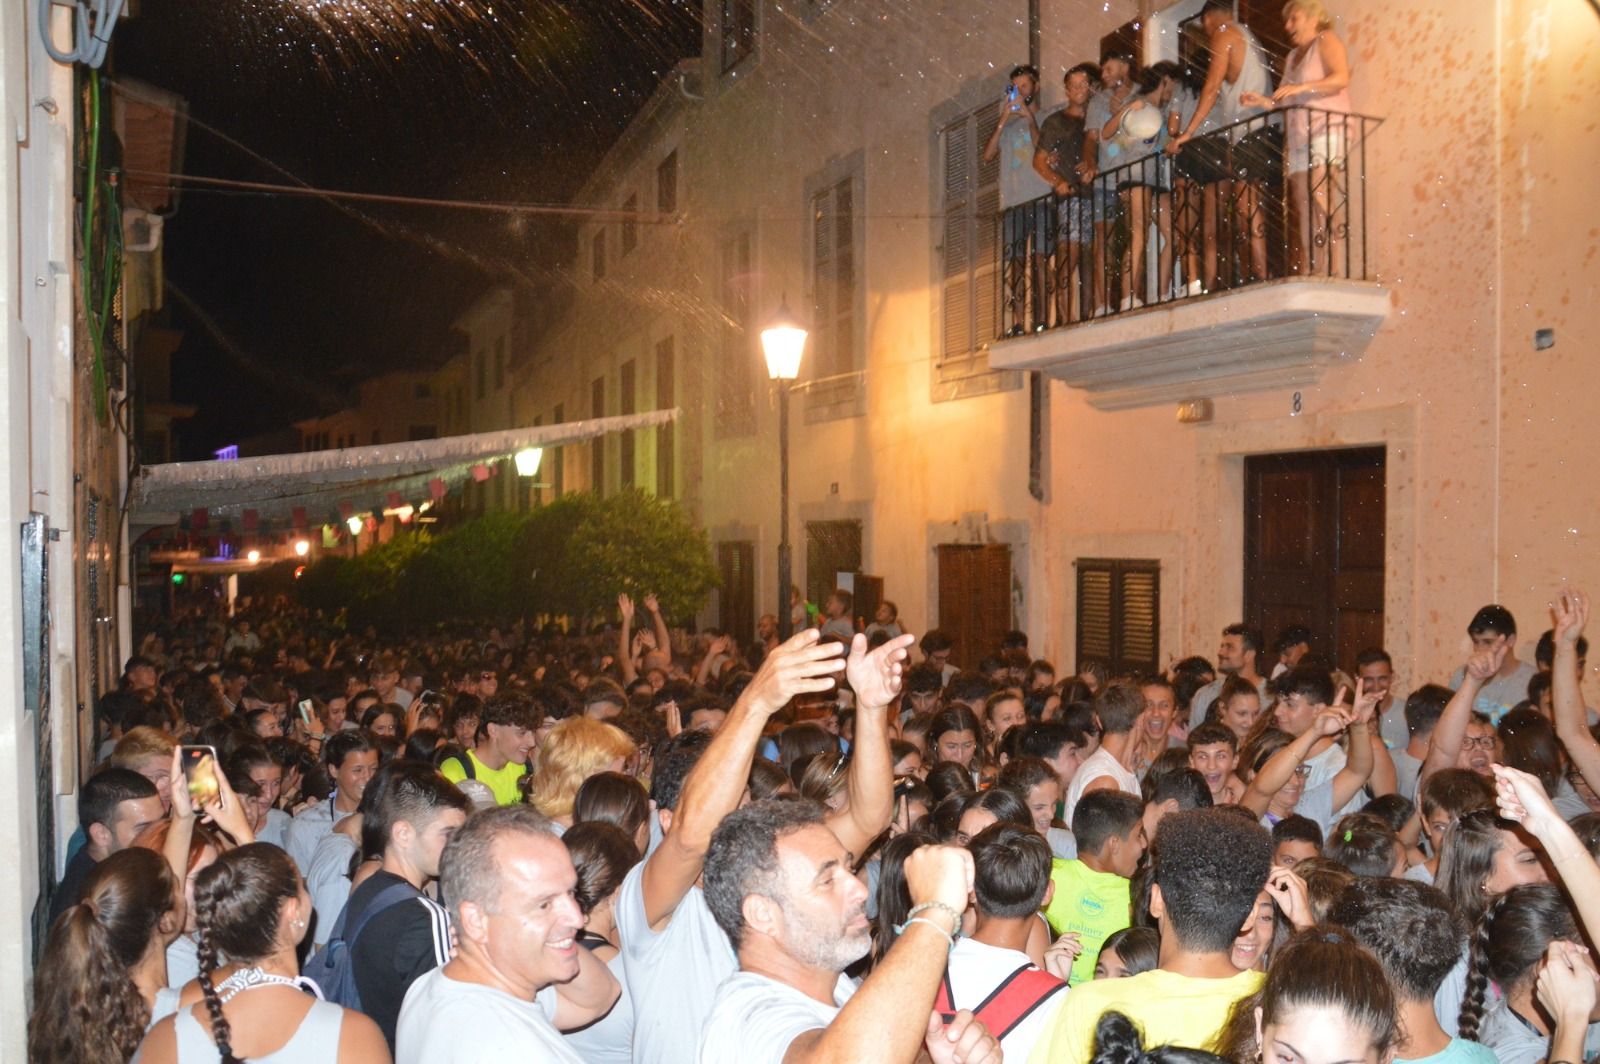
{"x":944,"y":1000}
{"x":1015,"y":999}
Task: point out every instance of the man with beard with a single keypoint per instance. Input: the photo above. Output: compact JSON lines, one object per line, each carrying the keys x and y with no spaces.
{"x":780,"y":884}
{"x":1236,"y":656}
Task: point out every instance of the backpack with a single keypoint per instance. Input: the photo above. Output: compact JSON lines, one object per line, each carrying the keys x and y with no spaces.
{"x":332,"y":967}
{"x":1013,"y":1001}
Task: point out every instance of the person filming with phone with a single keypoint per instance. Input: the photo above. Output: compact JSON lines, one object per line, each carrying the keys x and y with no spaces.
{"x":1014,"y":140}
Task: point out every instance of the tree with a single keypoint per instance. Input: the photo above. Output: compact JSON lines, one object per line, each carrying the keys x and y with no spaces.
{"x":582,"y":550}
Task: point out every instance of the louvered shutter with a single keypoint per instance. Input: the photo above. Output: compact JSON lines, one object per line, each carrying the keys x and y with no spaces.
{"x":958,"y":250}
{"x":822,"y":287}
{"x":1119,"y":614}
{"x":844,"y":277}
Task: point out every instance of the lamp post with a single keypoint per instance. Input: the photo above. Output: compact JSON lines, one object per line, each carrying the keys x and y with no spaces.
{"x":783,"y":342}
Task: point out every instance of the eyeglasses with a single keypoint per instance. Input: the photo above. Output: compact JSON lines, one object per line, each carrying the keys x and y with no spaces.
{"x":1302,"y":771}
{"x":1482,"y":742}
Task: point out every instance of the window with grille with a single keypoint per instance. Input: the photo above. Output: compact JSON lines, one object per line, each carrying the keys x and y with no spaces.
{"x":1119,"y":614}
{"x":630,"y":223}
{"x":833,"y":279}
{"x":667,"y":184}
{"x":736,"y":407}
{"x":738,"y":32}
{"x":666,"y":399}
{"x":971,"y":206}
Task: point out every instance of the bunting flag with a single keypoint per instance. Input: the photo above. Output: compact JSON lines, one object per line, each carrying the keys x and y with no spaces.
{"x":438,"y":489}
{"x":481,"y":472}
{"x":393,"y":501}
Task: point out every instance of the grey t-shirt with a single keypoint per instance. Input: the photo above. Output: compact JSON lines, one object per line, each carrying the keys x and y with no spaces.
{"x":1019,"y":182}
{"x":1499,"y":695}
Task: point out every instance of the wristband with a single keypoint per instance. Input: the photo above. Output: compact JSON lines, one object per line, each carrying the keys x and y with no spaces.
{"x":924,"y":920}
{"x":918,"y":910}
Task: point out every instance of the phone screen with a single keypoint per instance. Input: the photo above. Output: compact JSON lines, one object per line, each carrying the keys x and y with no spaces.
{"x":305,"y":711}
{"x":200,"y":773}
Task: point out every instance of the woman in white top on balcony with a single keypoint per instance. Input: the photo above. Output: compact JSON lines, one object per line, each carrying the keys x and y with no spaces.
{"x":1316,"y":85}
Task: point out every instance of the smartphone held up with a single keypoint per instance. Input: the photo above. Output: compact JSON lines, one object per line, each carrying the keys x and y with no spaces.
{"x":200,"y":774}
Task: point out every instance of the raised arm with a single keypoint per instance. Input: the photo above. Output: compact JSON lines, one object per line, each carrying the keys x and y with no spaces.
{"x":1382,"y":777}
{"x":891,"y":1015}
{"x":1358,"y":765}
{"x":717,"y":783}
{"x":1274,"y":775}
{"x":663,"y":637}
{"x":1522,"y":798}
{"x":875,"y":678}
{"x":624,"y":637}
{"x":1444,"y":748}
{"x":1571,"y":613}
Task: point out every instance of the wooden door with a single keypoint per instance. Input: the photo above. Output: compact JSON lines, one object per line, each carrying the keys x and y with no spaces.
{"x":832,"y":547}
{"x":1314,"y":548}
{"x":974,"y":599}
{"x":736,"y":597}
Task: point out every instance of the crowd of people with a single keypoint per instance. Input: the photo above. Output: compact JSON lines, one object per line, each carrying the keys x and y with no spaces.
{"x":1157,"y":183}
{"x":644,"y":845}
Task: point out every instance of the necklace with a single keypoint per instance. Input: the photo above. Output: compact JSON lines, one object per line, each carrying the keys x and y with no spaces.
{"x":251,"y":978}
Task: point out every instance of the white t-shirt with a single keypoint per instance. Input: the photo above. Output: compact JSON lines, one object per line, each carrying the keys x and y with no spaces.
{"x":672,"y":974}
{"x":276,"y":828}
{"x":445,"y":1020}
{"x":1407,"y":769}
{"x":309,"y":828}
{"x":1324,"y":767}
{"x":1096,"y":765}
{"x":977,"y":969}
{"x":755,"y":1019}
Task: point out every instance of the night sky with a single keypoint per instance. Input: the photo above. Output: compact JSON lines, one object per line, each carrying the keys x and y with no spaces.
{"x":287,"y":302}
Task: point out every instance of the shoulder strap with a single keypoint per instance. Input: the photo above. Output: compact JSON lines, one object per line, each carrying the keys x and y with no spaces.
{"x":467,"y":765}
{"x":1015,"y":999}
{"x":944,"y":1002}
{"x":387,"y":898}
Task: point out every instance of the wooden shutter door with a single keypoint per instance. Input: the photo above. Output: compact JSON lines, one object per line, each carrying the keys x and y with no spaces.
{"x":1119,"y":615}
{"x":974,"y":599}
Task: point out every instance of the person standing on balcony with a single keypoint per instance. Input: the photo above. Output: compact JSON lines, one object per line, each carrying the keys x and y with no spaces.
{"x":1236,"y":68}
{"x":1060,"y":161}
{"x":1316,"y":83}
{"x":1013,"y":142}
{"x":1101,"y":154}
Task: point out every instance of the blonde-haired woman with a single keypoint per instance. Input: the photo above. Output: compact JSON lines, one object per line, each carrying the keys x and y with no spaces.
{"x":575,"y":749}
{"x":1317,"y":135}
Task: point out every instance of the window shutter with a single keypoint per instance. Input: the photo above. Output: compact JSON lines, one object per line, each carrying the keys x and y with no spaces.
{"x":986,"y":236}
{"x":1119,"y":614}
{"x":957,"y":244}
{"x":822,"y":289}
{"x":844,"y":274}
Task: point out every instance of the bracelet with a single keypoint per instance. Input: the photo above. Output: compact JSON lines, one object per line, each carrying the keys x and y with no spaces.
{"x":955,"y":917}
{"x":924,"y":920}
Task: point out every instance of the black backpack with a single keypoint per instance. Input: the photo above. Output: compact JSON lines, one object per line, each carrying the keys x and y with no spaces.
{"x":332,"y":967}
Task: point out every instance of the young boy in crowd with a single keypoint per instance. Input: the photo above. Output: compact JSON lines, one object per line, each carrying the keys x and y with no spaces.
{"x":1214,"y":753}
{"x":1092,"y":896}
{"x":989,"y":972}
{"x":1209,"y":867}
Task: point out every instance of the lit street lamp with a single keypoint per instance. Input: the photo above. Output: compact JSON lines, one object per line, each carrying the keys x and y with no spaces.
{"x":783,"y":342}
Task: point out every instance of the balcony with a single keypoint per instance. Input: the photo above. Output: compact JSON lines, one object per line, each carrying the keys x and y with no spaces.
{"x":1242,"y":268}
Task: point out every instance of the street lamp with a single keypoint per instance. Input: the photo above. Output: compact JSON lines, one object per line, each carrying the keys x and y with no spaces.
{"x":527,"y":461}
{"x":783,"y":342}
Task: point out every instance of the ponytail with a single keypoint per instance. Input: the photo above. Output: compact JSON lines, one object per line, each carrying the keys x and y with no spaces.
{"x":87,"y":1009}
{"x":221,"y":1032}
{"x":1471,"y":1015}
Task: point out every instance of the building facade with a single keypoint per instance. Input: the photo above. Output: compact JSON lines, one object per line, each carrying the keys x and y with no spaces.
{"x":1406,"y":415}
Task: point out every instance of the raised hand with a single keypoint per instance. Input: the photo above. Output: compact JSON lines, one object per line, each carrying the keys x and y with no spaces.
{"x":625,"y":607}
{"x":800,"y":666}
{"x":1566,"y":984}
{"x":1366,"y":704}
{"x":1059,"y":957}
{"x":1332,"y":722}
{"x":940,"y":874}
{"x":1483,"y":663}
{"x":875,"y":675}
{"x":1522,"y":799}
{"x":652,"y":604}
{"x":1291,"y":896}
{"x":964,"y":1040}
{"x":1569,"y":613}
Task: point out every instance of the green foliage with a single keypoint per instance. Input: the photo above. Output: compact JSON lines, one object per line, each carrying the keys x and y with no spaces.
{"x":582,"y":551}
{"x":569,"y":558}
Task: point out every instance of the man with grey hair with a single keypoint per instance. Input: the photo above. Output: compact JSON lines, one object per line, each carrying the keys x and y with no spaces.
{"x":519,"y":977}
{"x":780,"y":885}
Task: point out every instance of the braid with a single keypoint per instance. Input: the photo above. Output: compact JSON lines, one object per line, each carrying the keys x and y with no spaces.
{"x":1472,"y":1009}
{"x":221,"y":1033}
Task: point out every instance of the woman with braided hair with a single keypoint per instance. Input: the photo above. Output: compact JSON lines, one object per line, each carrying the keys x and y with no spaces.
{"x":104,"y":965}
{"x":252,"y":907}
